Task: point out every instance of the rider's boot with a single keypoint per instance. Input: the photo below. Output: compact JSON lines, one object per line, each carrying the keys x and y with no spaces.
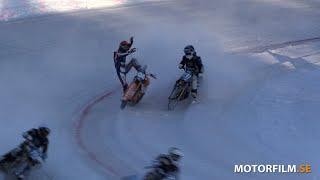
{"x":23,"y":169}
{"x":194,"y":93}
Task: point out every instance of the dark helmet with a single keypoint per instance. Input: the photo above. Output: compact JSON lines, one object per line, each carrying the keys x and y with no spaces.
{"x":189,"y":50}
{"x":44,"y":131}
{"x":175,"y":153}
{"x":125,"y":45}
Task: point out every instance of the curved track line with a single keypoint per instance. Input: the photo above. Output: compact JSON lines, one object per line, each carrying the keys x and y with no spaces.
{"x":79,"y":126}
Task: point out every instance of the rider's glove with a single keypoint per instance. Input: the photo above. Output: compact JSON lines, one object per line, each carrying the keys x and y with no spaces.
{"x":181,"y":66}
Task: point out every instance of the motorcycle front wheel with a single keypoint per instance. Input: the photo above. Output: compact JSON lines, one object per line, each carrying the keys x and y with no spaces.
{"x":173,"y":98}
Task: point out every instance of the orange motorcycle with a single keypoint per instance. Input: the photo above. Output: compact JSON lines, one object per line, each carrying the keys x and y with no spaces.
{"x":137,"y":88}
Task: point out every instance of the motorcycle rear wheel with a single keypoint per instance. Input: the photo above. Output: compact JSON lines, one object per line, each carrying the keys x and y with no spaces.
{"x":123,"y":104}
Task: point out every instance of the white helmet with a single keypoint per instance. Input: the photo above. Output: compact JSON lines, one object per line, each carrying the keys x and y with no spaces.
{"x":175,"y":153}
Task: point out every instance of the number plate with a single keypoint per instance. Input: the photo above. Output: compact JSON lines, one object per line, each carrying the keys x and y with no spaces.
{"x":141,"y":75}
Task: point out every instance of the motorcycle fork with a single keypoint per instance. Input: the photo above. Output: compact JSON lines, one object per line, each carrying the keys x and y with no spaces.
{"x":183,"y":90}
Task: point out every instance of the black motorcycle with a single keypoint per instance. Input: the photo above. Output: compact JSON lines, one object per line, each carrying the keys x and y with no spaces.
{"x":181,"y":90}
{"x":14,"y":162}
{"x":158,"y":174}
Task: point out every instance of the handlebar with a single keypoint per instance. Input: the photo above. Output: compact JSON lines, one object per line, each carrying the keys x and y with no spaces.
{"x":152,"y":75}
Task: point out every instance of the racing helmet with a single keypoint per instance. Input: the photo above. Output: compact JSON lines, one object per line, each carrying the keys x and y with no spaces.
{"x":125,"y":45}
{"x":175,"y":153}
{"x":189,"y":50}
{"x":44,"y":131}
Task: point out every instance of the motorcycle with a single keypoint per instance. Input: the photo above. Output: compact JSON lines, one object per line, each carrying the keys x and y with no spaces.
{"x":181,"y":90}
{"x":17,"y":161}
{"x":158,"y":174}
{"x":137,"y":88}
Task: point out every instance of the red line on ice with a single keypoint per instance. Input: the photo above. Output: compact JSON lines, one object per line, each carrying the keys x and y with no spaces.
{"x":79,"y":126}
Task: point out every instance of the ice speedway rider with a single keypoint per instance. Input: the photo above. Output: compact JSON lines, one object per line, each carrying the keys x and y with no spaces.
{"x":168,"y":164}
{"x":120,"y":58}
{"x":34,"y":147}
{"x":193,"y":63}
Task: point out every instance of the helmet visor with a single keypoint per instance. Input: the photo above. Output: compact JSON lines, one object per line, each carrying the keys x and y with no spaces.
{"x":44,"y":131}
{"x":188,"y":51}
{"x":175,"y":157}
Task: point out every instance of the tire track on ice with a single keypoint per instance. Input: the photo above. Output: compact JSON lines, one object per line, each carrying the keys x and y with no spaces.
{"x":79,"y":125}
